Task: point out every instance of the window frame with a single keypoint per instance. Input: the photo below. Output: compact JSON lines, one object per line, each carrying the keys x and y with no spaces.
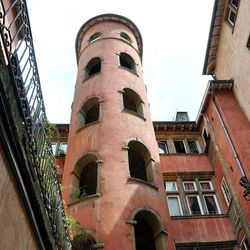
{"x":244,"y":239}
{"x":166,"y":147}
{"x":188,"y":182}
{"x":210,"y":184}
{"x":184,"y":146}
{"x":216,"y":203}
{"x":232,"y":8}
{"x":96,"y":38}
{"x":199,"y":202}
{"x":226,"y":198}
{"x":179,"y":203}
{"x":175,"y":184}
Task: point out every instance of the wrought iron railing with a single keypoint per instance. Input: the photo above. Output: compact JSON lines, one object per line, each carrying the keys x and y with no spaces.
{"x":20,"y":55}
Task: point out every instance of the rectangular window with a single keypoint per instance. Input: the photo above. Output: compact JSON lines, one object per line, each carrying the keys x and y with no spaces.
{"x":211,"y":204}
{"x":53,"y":146}
{"x":63,"y":149}
{"x":232,"y":11}
{"x":179,"y":147}
{"x":206,"y":185}
{"x":194,"y":204}
{"x":193,"y":147}
{"x":174,"y":206}
{"x":162,"y":147}
{"x":189,"y":186}
{"x":226,"y":192}
{"x":171,"y":186}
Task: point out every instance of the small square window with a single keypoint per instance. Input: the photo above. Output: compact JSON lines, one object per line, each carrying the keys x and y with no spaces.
{"x":206,"y":185}
{"x":162,"y":147}
{"x":174,"y":206}
{"x":194,"y":205}
{"x":171,"y":186}
{"x":189,"y":186}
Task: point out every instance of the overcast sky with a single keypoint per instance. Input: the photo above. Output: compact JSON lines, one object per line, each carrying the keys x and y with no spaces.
{"x":174,"y":36}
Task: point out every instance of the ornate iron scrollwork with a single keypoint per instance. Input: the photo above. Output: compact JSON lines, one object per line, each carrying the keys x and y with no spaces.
{"x":244,"y":182}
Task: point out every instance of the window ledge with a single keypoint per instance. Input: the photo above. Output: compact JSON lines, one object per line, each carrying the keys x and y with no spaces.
{"x":129,"y":70}
{"x":90,"y":77}
{"x":134,"y":113}
{"x":131,"y":179}
{"x":88,"y":197}
{"x":188,"y":217}
{"x":185,"y":154}
{"x":87,"y":125}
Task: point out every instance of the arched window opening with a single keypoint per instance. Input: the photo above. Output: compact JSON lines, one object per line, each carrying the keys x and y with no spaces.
{"x":95,"y":37}
{"x":126,"y":37}
{"x":93,"y":67}
{"x":89,"y":112}
{"x":148,"y":232}
{"x":82,"y":242}
{"x":127,"y":61}
{"x":84,"y":177}
{"x":88,"y":180}
{"x":140,"y":164}
{"x":132,"y":101}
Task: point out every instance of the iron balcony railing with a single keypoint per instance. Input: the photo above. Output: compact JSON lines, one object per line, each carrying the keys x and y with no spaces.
{"x":20,"y":55}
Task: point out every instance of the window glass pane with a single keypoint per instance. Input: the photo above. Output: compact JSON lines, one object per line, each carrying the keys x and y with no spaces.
{"x":174,"y":207}
{"x":162,"y":147}
{"x":63,"y":149}
{"x":206,"y":185}
{"x":193,"y":204}
{"x":189,"y":186}
{"x":179,"y":147}
{"x":193,"y":147}
{"x":171,"y":186}
{"x":235,"y":3}
{"x":53,"y":146}
{"x":231,"y":16}
{"x":226,"y":192}
{"x":211,"y":204}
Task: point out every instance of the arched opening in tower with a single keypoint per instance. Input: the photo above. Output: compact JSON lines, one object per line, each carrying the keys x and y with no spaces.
{"x":127,"y":61}
{"x":93,"y":67}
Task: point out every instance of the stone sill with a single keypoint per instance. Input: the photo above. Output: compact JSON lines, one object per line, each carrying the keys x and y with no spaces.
{"x":131,"y":179}
{"x":88,"y":197}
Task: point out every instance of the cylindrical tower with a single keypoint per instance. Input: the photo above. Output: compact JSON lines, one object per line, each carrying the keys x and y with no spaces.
{"x":112,"y":182}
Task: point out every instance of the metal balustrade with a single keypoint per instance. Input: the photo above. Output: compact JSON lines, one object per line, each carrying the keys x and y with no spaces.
{"x":18,"y":49}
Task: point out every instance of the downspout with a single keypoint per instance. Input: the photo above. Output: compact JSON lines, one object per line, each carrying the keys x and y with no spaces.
{"x":243,"y":180}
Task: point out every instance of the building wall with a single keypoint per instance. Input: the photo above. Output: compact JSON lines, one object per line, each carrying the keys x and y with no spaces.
{"x":232,"y":60}
{"x":16,"y":231}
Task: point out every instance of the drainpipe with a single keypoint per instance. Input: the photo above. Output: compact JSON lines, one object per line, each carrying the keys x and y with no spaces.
{"x":244,"y":182}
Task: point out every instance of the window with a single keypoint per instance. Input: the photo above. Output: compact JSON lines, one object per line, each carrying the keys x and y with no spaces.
{"x":126,"y":37}
{"x":192,"y":146}
{"x":174,"y":205}
{"x":244,"y":244}
{"x":194,"y":204}
{"x":132,"y":101}
{"x":63,"y":149}
{"x":191,"y":197}
{"x":162,"y":147}
{"x":140,"y":163}
{"x":53,"y":146}
{"x":171,"y":186}
{"x":179,"y":147}
{"x":83,"y":242}
{"x":127,"y":61}
{"x":248,"y":42}
{"x":226,"y":192}
{"x":84,"y":177}
{"x":89,"y":112}
{"x":95,"y":37}
{"x":211,"y":204}
{"x":232,"y":11}
{"x":93,"y":67}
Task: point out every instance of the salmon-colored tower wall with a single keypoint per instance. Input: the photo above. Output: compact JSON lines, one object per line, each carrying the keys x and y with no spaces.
{"x":108,"y":216}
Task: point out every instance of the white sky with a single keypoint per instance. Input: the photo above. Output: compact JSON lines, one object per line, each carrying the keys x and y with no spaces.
{"x":174,"y":36}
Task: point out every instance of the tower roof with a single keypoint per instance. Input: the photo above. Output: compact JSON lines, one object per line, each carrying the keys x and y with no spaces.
{"x":107,"y":17}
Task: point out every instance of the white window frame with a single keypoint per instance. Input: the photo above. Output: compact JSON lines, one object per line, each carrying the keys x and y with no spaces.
{"x":234,"y":9}
{"x":175,"y":184}
{"x":184,"y":144}
{"x":210,"y":184}
{"x":199,"y":202}
{"x":216,"y":203}
{"x":179,"y":203}
{"x":194,"y":184}
{"x":227,"y":199}
{"x":243,"y":244}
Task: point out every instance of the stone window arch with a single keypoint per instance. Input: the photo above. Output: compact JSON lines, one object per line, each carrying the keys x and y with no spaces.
{"x":95,"y":37}
{"x":140,"y":162}
{"x":84,"y":181}
{"x":149,"y":233}
{"x":93,"y":67}
{"x":132,"y":101}
{"x":89,"y":112}
{"x":127,"y":61}
{"x":126,"y":37}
